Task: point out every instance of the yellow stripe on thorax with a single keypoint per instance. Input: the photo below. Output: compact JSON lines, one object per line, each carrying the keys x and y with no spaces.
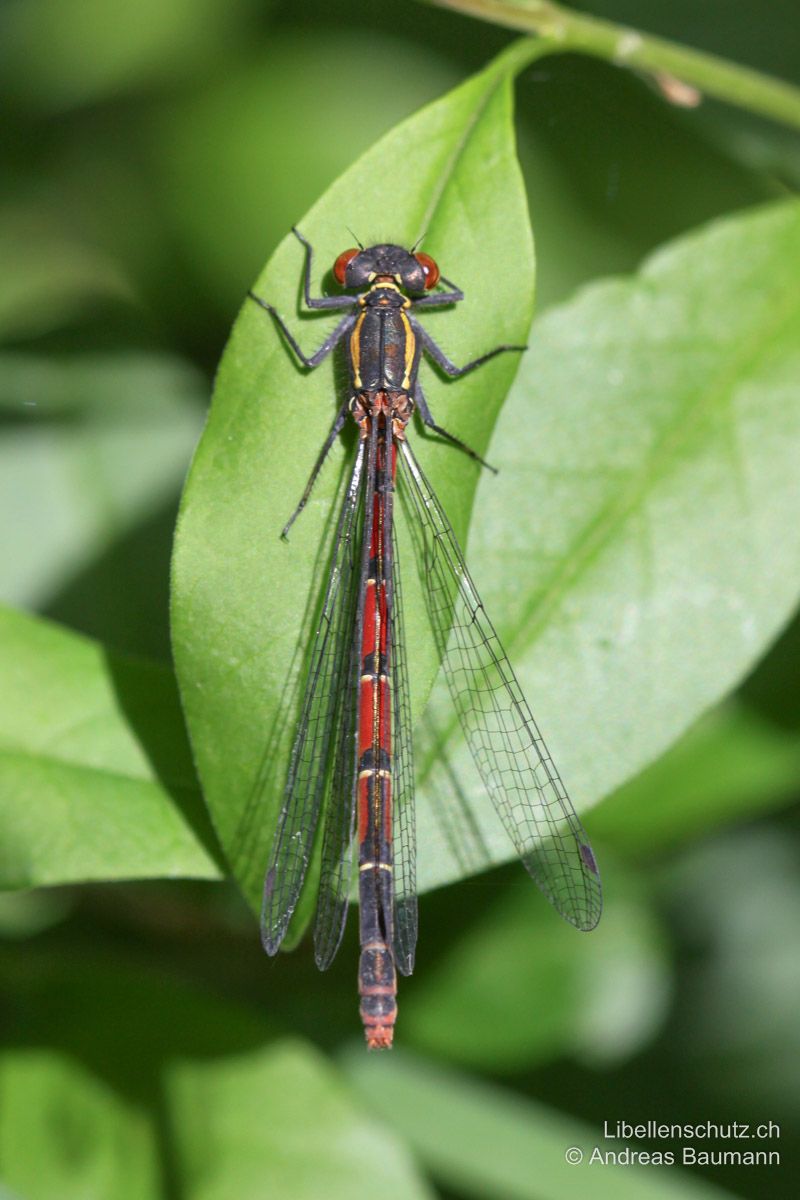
{"x":355,"y":348}
{"x":411,"y":346}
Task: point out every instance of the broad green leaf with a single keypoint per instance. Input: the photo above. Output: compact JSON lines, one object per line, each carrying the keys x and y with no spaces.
{"x":282,"y":1122}
{"x":96,"y":779}
{"x":91,"y":444}
{"x":245,"y":602}
{"x":641,"y":546}
{"x":478,"y":1140}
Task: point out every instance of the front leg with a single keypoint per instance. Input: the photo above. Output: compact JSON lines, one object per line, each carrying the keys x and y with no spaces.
{"x":440,"y":358}
{"x":317,"y":301}
{"x":335,"y":430}
{"x":332,"y":340}
{"x":455,"y":296}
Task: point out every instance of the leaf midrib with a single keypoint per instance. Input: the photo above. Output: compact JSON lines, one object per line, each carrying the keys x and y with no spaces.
{"x":457,"y":153}
{"x":11,"y":753}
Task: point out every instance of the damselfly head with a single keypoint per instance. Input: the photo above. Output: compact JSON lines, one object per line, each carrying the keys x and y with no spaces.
{"x":360,"y":268}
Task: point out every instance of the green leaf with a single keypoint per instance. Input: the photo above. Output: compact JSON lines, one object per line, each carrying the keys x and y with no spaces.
{"x":481,"y":1141}
{"x":96,"y":779}
{"x":282,"y":1122}
{"x":244,"y":602}
{"x":91,"y":444}
{"x":641,"y":546}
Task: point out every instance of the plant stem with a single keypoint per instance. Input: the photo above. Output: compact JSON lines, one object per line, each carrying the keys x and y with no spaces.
{"x":562,"y":31}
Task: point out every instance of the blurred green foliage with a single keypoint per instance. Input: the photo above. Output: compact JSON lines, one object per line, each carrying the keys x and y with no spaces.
{"x":152,"y":158}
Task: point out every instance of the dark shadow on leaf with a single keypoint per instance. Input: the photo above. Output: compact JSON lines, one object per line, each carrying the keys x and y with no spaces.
{"x":125,"y":1021}
{"x":122,"y":596}
{"x":148,"y":696}
{"x":772,"y":687}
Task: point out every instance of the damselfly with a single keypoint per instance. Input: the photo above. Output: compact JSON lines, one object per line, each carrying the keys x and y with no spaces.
{"x":352,"y":756}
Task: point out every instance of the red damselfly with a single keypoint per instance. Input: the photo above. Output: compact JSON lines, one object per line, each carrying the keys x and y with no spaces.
{"x":352,"y":757}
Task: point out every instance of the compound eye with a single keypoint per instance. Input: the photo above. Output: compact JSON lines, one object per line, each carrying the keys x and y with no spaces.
{"x":340,"y":266}
{"x":430,"y":268}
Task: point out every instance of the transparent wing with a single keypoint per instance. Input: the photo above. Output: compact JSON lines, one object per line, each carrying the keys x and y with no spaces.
{"x":310,"y":775}
{"x":337,"y":848}
{"x":336,"y":875}
{"x":509,"y":750}
{"x":404,"y":844}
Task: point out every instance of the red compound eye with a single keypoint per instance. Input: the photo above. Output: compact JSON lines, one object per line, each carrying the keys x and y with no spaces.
{"x":340,"y":266}
{"x":430,"y":268}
